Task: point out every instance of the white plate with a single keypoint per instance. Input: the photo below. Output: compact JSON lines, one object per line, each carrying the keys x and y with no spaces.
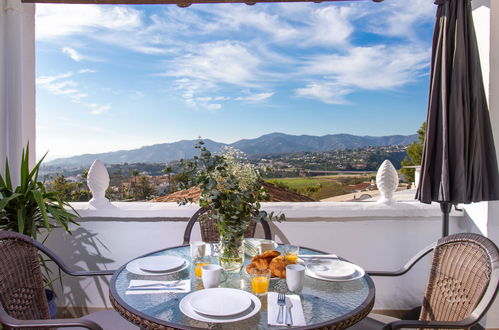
{"x":359,"y":273}
{"x":160,"y":264}
{"x":186,"y":308}
{"x":335,"y":269}
{"x":220,"y":302}
{"x":134,"y":267}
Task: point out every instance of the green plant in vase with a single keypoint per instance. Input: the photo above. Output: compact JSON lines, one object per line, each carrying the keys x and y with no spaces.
{"x":231,"y":189}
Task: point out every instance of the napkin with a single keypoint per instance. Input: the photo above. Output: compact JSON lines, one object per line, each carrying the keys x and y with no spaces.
{"x":182,"y":287}
{"x":251,"y":246}
{"x":296,"y":310}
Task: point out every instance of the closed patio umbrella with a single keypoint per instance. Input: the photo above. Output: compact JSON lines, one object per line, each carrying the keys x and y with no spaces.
{"x":459,"y":163}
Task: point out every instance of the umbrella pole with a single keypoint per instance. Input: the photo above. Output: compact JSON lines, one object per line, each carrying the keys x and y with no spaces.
{"x":445,"y":207}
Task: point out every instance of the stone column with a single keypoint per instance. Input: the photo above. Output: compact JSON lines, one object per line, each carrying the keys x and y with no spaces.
{"x":17,"y":82}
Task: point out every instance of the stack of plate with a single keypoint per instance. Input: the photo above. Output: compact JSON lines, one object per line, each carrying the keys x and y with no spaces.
{"x":157,"y":265}
{"x":334,"y":270}
{"x":220,"y":305}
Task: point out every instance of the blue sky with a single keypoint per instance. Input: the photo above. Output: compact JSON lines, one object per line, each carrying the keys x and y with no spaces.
{"x":120,"y":77}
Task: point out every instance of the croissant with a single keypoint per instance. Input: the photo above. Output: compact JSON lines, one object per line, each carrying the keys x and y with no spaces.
{"x":278,"y":267}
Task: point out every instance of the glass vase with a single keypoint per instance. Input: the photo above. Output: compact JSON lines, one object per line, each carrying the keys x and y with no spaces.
{"x":231,"y":254}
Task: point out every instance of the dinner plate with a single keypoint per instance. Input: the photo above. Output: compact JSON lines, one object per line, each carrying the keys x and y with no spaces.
{"x":160,"y":264}
{"x":335,"y":269}
{"x":186,"y":309}
{"x":220,"y":302}
{"x":134,"y":267}
{"x":358,"y":273}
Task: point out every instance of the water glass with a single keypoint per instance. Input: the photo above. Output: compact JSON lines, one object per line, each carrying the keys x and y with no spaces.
{"x":198,"y":250}
{"x":260,"y":280}
{"x":291,"y":253}
{"x":199,"y":263}
{"x":295,"y":276}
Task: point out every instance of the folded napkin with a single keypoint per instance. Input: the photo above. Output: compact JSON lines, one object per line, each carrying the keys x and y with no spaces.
{"x":251,"y":246}
{"x":181,"y":287}
{"x":296,"y":310}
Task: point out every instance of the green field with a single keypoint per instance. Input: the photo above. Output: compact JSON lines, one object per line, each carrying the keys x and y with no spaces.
{"x":320,"y":187}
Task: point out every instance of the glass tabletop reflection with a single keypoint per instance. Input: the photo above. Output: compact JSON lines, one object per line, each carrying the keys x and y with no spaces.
{"x":323,"y":301}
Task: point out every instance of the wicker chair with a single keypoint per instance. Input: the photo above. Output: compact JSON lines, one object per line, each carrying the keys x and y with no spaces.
{"x":23,"y":303}
{"x":209,"y":232}
{"x":463,"y":283}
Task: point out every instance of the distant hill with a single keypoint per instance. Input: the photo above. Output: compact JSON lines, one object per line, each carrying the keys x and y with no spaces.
{"x":265,"y":144}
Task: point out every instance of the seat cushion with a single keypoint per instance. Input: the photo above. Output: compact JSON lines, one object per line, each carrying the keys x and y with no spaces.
{"x":108,"y":320}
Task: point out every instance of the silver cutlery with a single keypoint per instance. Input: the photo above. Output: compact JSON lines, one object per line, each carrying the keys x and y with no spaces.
{"x":157,"y":289}
{"x":161,"y":285}
{"x":318,"y":256}
{"x":281,"y":301}
{"x":289,"y":317}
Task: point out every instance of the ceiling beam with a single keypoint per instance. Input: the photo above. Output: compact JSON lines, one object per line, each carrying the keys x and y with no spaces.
{"x":180,"y":3}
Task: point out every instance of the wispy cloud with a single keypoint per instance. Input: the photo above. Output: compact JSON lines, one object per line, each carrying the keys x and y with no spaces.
{"x":72,"y":53}
{"x":87,"y":71}
{"x":258,"y":97}
{"x":99,"y":109}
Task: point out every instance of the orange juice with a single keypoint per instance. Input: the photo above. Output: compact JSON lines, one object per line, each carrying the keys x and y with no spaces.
{"x":260,"y":284}
{"x":291,"y":257}
{"x":198,"y":269}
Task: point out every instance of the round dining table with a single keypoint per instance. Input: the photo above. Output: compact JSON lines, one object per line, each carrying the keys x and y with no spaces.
{"x":326,"y":304}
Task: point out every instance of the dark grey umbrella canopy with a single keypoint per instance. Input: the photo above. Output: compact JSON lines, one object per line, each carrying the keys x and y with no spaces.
{"x":459,"y":162}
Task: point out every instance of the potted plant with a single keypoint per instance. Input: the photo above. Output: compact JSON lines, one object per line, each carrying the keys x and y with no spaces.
{"x":29,"y":207}
{"x":231,"y":189}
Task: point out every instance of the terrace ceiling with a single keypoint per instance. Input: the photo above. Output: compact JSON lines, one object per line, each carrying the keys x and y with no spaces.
{"x":180,"y":3}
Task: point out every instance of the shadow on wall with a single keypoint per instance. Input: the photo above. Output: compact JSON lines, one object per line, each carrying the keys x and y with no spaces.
{"x":83,"y":252}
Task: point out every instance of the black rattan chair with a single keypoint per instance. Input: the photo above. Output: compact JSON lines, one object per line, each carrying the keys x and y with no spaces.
{"x":463,"y":284}
{"x":209,"y":232}
{"x":23,"y":303}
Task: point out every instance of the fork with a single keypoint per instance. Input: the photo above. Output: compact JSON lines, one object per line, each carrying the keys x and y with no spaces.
{"x":281,"y":301}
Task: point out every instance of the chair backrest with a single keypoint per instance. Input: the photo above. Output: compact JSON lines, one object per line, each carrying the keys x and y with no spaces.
{"x":209,"y":231}
{"x":464,"y":278}
{"x":22,"y":292}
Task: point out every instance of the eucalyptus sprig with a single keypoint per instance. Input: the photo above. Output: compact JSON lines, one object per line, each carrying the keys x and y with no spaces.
{"x":231,"y":188}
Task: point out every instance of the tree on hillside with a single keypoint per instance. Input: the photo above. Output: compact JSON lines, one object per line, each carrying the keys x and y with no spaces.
{"x":414,"y":155}
{"x":144,"y":189}
{"x":168,"y":171}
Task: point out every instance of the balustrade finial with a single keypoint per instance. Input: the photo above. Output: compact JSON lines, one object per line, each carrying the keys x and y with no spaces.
{"x":387,"y":180}
{"x":98,"y":182}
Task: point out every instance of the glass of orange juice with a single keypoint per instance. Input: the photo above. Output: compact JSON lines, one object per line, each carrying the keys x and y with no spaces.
{"x":260,"y":280}
{"x":291,"y":253}
{"x":199,"y":263}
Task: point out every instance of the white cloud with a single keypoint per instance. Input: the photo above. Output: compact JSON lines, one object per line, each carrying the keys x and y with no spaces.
{"x":54,"y":21}
{"x":99,"y":109}
{"x":259,"y":97}
{"x":221,"y":62}
{"x":72,"y":53}
{"x":87,"y":71}
{"x":325,"y":92}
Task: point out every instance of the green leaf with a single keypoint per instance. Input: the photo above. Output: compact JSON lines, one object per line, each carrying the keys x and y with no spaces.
{"x":6,"y":200}
{"x":37,"y":195}
{"x":20,"y":220}
{"x":8,"y":182}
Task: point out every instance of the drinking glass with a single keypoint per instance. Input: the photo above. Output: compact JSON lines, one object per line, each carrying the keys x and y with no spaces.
{"x":295,"y":276}
{"x":291,"y":253}
{"x":198,"y":250}
{"x":199,"y":263}
{"x":260,"y":279}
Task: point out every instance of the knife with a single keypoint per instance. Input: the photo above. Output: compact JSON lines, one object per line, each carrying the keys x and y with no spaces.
{"x":157,"y":289}
{"x":289,"y":317}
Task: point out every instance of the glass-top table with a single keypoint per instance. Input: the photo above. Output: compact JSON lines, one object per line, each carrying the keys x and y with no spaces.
{"x":325,"y":304}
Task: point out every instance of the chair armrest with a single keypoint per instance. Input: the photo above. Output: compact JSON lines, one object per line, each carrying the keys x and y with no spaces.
{"x":11,"y":322}
{"x":463,"y":324}
{"x":407,"y":266}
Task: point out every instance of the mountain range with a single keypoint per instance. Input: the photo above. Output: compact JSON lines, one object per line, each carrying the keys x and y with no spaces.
{"x":265,"y":144}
